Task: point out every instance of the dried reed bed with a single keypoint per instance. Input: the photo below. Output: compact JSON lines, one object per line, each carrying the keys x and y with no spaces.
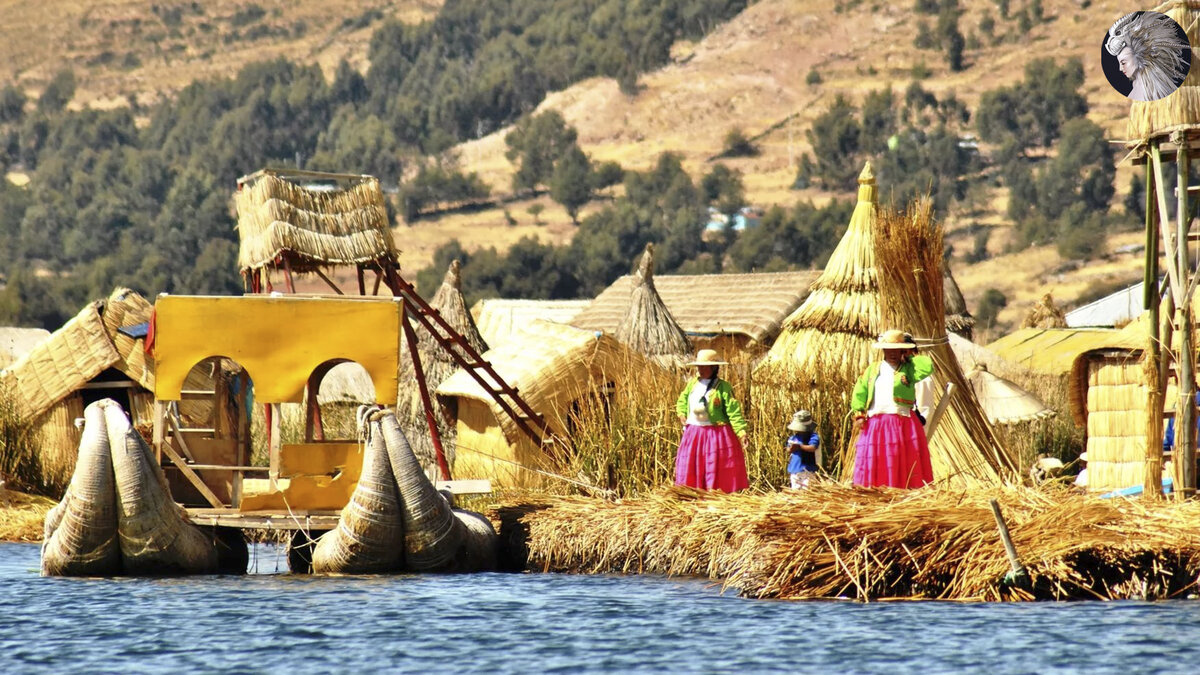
{"x":22,"y":515}
{"x":834,"y":541}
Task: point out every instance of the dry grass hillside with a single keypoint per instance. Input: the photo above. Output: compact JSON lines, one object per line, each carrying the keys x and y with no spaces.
{"x":750,"y":73}
{"x":151,"y":48}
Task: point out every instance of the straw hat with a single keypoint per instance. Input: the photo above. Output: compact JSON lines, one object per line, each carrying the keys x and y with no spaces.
{"x":894,"y":339}
{"x":707,"y":357}
{"x":801,"y":421}
{"x":1083,"y":456}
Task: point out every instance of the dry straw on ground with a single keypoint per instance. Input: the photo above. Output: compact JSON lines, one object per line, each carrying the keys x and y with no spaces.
{"x":833,"y":541}
{"x":22,"y":515}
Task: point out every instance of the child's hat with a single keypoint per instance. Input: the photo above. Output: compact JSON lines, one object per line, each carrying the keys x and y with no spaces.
{"x":801,"y":421}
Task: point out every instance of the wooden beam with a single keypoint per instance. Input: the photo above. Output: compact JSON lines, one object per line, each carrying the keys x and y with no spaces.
{"x":114,"y":384}
{"x":327,"y":280}
{"x":191,"y":476}
{"x":175,"y":425}
{"x":276,"y":443}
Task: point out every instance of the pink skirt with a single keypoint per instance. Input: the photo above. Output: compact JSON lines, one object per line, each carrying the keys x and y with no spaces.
{"x":711,"y":458}
{"x":892,"y":450}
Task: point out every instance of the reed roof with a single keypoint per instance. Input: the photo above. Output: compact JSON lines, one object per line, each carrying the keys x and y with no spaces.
{"x":1180,"y":110}
{"x":1004,"y":401}
{"x":648,"y":328}
{"x":831,"y":332}
{"x":346,"y":383}
{"x":1053,"y":351}
{"x":500,"y":319}
{"x":753,"y":305}
{"x":86,"y":345}
{"x":280,"y":215}
{"x":552,"y":366}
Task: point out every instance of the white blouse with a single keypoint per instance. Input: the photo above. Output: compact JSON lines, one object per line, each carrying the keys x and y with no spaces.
{"x":699,"y":390}
{"x":885,"y":399}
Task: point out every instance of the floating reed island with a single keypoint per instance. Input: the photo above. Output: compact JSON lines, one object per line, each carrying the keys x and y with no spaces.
{"x":835,"y":541}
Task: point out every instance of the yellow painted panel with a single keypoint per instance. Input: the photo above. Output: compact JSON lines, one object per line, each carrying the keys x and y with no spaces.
{"x":311,"y":487}
{"x":278,"y":340}
{"x":318,"y":459}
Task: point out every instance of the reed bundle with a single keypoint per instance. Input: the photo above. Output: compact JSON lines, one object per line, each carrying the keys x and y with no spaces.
{"x":1045,"y":314}
{"x":648,"y":328}
{"x":908,"y":253}
{"x":833,"y":541}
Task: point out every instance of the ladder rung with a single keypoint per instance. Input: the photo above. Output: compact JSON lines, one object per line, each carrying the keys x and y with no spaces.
{"x":196,"y":393}
{"x":196,"y":430}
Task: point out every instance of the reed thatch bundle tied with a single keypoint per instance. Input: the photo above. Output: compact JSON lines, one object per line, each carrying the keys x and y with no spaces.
{"x":648,"y":328}
{"x":1045,"y":314}
{"x":830,"y":334}
{"x":437,"y":365}
{"x":834,"y":541}
{"x":314,"y":228}
{"x":908,"y":252}
{"x":958,"y":317}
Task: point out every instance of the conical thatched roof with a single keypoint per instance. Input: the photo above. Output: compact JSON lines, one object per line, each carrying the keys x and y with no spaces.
{"x":826,"y":342}
{"x":649,"y":328}
{"x":1003,"y":401}
{"x":343,"y":222}
{"x":958,"y":319}
{"x":1045,"y":314}
{"x":437,"y":365}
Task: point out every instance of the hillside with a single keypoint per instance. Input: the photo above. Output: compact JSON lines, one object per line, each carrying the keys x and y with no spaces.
{"x":750,"y":73}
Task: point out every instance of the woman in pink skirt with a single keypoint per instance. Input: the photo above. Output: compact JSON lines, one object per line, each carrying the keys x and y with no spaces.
{"x":710,"y":453}
{"x":892,"y":448}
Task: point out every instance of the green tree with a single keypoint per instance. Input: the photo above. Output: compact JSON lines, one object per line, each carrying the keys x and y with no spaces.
{"x":12,"y":104}
{"x":737,"y":144}
{"x":989,"y":306}
{"x":58,"y":92}
{"x":535,"y":144}
{"x":570,"y":185}
{"x":723,"y":189}
{"x":836,"y":139}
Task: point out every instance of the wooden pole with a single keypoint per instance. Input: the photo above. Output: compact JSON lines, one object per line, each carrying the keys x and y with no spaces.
{"x":362,"y":283}
{"x":1185,"y":418}
{"x":1018,"y":576}
{"x":1152,"y":482}
{"x":274,"y":443}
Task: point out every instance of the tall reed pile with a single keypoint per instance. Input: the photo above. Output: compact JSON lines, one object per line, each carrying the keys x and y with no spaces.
{"x":833,"y":541}
{"x":20,"y":461}
{"x":908,"y":260}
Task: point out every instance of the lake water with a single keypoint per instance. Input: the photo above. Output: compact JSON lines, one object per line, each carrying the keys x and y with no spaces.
{"x":270,"y":622}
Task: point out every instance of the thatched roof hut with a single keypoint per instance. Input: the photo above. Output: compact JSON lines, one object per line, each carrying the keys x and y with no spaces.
{"x":1004,"y":401}
{"x":826,"y":343}
{"x":958,"y":317}
{"x":501,"y":319}
{"x":1053,"y":351}
{"x":649,"y":328}
{"x":725,"y":311}
{"x":437,"y":365}
{"x":306,"y":220}
{"x":555,"y":367}
{"x":1045,"y":314}
{"x":89,"y":358}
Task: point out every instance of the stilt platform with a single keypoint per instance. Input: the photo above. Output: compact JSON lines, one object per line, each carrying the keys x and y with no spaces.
{"x":265,"y":520}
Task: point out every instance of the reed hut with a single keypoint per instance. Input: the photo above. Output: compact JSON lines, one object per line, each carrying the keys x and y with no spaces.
{"x":303,"y":221}
{"x":1052,"y":351}
{"x":958,"y":318}
{"x":1045,"y":314}
{"x":739,"y":315}
{"x":1004,"y":401}
{"x":558,"y":370}
{"x":437,"y":365}
{"x":1108,"y":399}
{"x":97,"y":354}
{"x":648,"y":328}
{"x":826,"y":343}
{"x":500,"y":320}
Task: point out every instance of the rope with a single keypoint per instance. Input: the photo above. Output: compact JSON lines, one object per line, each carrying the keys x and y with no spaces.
{"x":932,"y":342}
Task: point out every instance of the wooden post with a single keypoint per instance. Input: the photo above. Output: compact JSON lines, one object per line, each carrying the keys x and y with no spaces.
{"x":1018,"y":576}
{"x":275,"y":443}
{"x":1152,"y":358}
{"x":362,"y":283}
{"x":160,"y":413}
{"x":410,"y":337}
{"x":314,"y":429}
{"x":1185,"y":417}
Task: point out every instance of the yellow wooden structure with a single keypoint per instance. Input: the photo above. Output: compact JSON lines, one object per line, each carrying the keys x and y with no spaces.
{"x":285,"y":344}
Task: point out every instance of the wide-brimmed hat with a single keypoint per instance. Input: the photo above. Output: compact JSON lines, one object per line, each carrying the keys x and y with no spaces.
{"x":894,"y":339}
{"x":1083,"y":456}
{"x":707,"y":357}
{"x":801,"y":421}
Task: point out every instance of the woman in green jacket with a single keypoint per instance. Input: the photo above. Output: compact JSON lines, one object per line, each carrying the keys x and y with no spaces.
{"x":892,"y":448}
{"x":710,"y":453}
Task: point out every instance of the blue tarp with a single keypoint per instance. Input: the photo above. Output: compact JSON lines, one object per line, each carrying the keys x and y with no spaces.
{"x":1168,"y":486}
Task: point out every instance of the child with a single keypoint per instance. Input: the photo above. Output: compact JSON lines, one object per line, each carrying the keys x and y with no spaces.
{"x":803,"y":449}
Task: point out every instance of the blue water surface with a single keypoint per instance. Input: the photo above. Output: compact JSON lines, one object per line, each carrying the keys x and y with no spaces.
{"x":516,"y":623}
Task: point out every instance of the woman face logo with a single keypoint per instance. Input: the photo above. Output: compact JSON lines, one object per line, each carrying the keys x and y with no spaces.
{"x":1129,"y":64}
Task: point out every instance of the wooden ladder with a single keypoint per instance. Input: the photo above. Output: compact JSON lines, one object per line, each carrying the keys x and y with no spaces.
{"x":529,"y":421}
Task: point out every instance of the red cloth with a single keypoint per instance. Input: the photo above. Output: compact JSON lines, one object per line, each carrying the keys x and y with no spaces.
{"x":892,"y":450}
{"x":148,"y":343}
{"x":711,"y":458}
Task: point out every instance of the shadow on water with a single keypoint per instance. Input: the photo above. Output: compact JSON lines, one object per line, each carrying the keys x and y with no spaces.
{"x":270,"y":621}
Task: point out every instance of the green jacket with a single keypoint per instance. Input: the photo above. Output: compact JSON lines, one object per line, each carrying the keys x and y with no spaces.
{"x":905,"y":395}
{"x":723,"y":408}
